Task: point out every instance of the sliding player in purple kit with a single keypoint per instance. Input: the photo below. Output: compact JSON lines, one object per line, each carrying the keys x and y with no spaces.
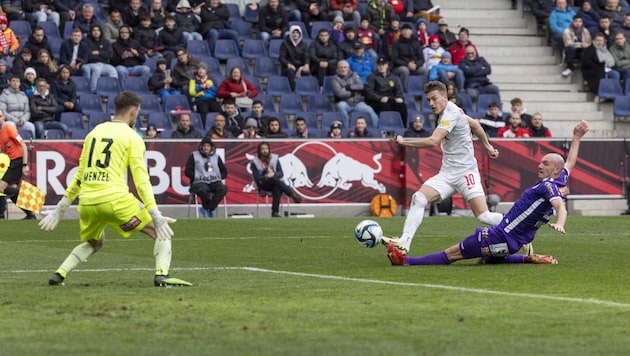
{"x":499,"y":244}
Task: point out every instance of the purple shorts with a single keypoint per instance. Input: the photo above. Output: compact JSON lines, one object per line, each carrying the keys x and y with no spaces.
{"x":488,"y":242}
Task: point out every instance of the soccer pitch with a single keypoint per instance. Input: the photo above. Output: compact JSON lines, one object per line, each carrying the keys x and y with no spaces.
{"x":305,"y":287}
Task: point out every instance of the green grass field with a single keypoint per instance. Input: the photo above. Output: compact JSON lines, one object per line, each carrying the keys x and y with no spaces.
{"x":305,"y":287}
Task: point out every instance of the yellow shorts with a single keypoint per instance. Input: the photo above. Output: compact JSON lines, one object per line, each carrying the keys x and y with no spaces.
{"x":126,"y":215}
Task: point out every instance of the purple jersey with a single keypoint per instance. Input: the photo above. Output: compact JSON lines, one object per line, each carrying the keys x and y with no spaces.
{"x":533,"y":209}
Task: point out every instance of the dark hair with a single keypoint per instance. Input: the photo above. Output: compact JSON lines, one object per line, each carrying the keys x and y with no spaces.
{"x":257,"y":102}
{"x":125,"y":100}
{"x":229,"y":101}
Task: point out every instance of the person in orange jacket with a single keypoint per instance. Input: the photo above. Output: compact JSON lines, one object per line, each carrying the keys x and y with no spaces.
{"x":9,"y":43}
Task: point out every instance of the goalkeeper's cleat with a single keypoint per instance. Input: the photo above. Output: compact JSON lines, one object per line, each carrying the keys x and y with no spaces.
{"x":396,"y":257}
{"x":166,"y":281}
{"x":397,"y":242}
{"x":528,"y":249}
{"x":56,"y":280}
{"x":542,"y":259}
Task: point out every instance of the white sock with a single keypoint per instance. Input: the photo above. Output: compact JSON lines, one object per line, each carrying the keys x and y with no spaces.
{"x":162,"y":254}
{"x":414,"y":218}
{"x":78,"y":255}
{"x":490,"y":218}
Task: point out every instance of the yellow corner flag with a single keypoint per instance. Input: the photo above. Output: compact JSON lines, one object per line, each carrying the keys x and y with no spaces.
{"x":4,"y":165}
{"x":30,"y":197}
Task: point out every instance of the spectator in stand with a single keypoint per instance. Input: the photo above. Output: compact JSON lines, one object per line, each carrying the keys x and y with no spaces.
{"x":274,"y":130}
{"x":41,"y":10}
{"x":621,"y":52}
{"x":86,"y":19}
{"x":560,"y":19}
{"x":301,"y":130}
{"x":152,"y":133}
{"x":615,"y":11}
{"x":251,"y":129}
{"x":170,"y":39}
{"x":590,"y":17}
{"x":257,"y":113}
{"x":537,"y":129}
{"x":335,"y":130}
{"x":215,"y":24}
{"x":187,"y":21}
{"x":129,"y":57}
{"x":118,"y":4}
{"x":239,"y":88}
{"x":369,"y":38}
{"x":147,"y":38}
{"x":609,"y":29}
{"x":99,"y":56}
{"x":161,"y":82}
{"x":360,"y":129}
{"x":360,"y":62}
{"x":21,"y":62}
{"x":393,"y":34}
{"x":234,"y":121}
{"x":541,"y":9}
{"x":64,"y":89}
{"x":294,"y":56}
{"x":204,"y":92}
{"x":493,"y":121}
{"x":476,"y":70}
{"x":446,"y":72}
{"x":44,"y":110}
{"x":131,"y":13}
{"x":45,"y":67}
{"x":416,"y":128}
{"x":447,"y":38}
{"x":28,"y":81}
{"x":218,"y":130}
{"x":37,"y":40}
{"x":9,"y":42}
{"x":273,"y":21}
{"x":407,"y":56}
{"x":157,"y":14}
{"x":575,"y":39}
{"x":67,"y":10}
{"x":514,"y":129}
{"x":73,"y":52}
{"x":625,"y":27}
{"x":185,"y":69}
{"x":384,"y":91}
{"x":348,"y":90}
{"x":14,"y":104}
{"x":112,"y":25}
{"x":458,"y":49}
{"x":347,"y":9}
{"x":349,"y":39}
{"x":14,"y":9}
{"x":422,"y":32}
{"x":324,"y":55}
{"x":517,"y":107}
{"x":336,"y":31}
{"x":421,"y":10}
{"x":206,"y":171}
{"x":185,"y":128}
{"x":597,"y":63}
{"x":312,"y":10}
{"x":378,"y":14}
{"x":400,"y":7}
{"x":432,"y":53}
{"x":4,"y":75}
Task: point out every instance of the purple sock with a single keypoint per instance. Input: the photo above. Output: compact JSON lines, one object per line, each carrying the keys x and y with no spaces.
{"x":515,"y":258}
{"x":438,"y":258}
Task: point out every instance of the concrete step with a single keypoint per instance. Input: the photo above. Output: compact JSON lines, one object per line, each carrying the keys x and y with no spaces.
{"x":599,"y":128}
{"x":540,"y":79}
{"x":488,"y":30}
{"x":507,"y":41}
{"x":543,"y":96}
{"x":529,"y":87}
{"x":475,"y":5}
{"x":481,"y":13}
{"x":496,"y":51}
{"x":524,"y":60}
{"x":556,"y":115}
{"x":557,"y":107}
{"x":497,"y":23}
{"x":528,"y":70}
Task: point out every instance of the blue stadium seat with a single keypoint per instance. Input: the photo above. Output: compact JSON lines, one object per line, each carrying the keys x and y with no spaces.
{"x":466,"y":101}
{"x":50,"y":28}
{"x":173,"y":102}
{"x":73,"y":120}
{"x":214,"y":67}
{"x":305,"y":33}
{"x":265,"y":67}
{"x":225,"y":49}
{"x":235,"y":13}
{"x":305,"y":86}
{"x":210,"y":119}
{"x":137,"y":85}
{"x":327,"y":86}
{"x":621,"y":109}
{"x":83,"y":85}
{"x":278,"y":85}
{"x":95,"y":118}
{"x":390,"y":120}
{"x":196,"y":121}
{"x":355,"y":114}
{"x":329,"y":117}
{"x":236,"y":62}
{"x":22,"y":29}
{"x":254,"y":81}
{"x":274,"y":48}
{"x":282,"y":117}
{"x":110,"y":108}
{"x":67,"y":28}
{"x":253,"y":49}
{"x":54,"y":134}
{"x":243,"y":28}
{"x":55,"y":47}
{"x":107,"y":86}
{"x":290,"y":104}
{"x":309,"y":117}
{"x":267,"y":101}
{"x":318,"y":25}
{"x":318,"y":103}
{"x":410,"y":102}
{"x":198,"y":48}
{"x":609,"y":88}
{"x":161,"y":120}
{"x":250,"y":15}
{"x":90,"y":103}
{"x":25,"y":134}
{"x":150,"y":103}
{"x":483,"y":100}
{"x":415,"y":85}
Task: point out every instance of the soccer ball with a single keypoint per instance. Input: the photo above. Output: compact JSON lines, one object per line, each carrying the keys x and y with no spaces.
{"x":368,"y":233}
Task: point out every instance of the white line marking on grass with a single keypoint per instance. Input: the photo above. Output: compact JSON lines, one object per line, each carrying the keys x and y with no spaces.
{"x":360,"y":280}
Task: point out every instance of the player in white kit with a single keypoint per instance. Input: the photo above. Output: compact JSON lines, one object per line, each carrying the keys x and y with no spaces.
{"x":459,"y":171}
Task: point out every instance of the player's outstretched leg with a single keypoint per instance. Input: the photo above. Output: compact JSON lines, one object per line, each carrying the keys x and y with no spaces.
{"x":162,"y":253}
{"x":78,"y":255}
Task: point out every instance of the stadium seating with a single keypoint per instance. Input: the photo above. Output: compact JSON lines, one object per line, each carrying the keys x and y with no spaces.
{"x":82,"y":84}
{"x":278,"y":85}
{"x":265,"y":67}
{"x":390,"y":120}
{"x":251,"y":16}
{"x":274,"y":48}
{"x":483,"y":100}
{"x":90,"y":103}
{"x":621,"y":109}
{"x":329,"y":117}
{"x":198,"y":48}
{"x":253,"y":49}
{"x":309,"y":117}
{"x":267,"y":101}
{"x":73,"y":120}
{"x":107,"y":86}
{"x":327,"y":86}
{"x":150,"y":103}
{"x":290,"y":104}
{"x":174,"y":102}
{"x":236,"y":62}
{"x":22,"y":29}
{"x":243,"y":28}
{"x":415,"y":85}
{"x":95,"y":118}
{"x":225,"y":49}
{"x":50,"y":28}
{"x":318,"y":25}
{"x":54,"y":134}
{"x":161,"y":120}
{"x":305,"y":86}
{"x":67,"y":28}
{"x":235,"y":14}
{"x":137,"y":85}
{"x":318,"y":103}
{"x":355,"y":114}
{"x":467,"y":105}
{"x":214,"y":67}
{"x":609,"y":88}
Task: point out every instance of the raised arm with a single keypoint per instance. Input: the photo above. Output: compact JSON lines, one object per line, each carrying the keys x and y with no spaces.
{"x":578,"y":132}
{"x":478,"y":130}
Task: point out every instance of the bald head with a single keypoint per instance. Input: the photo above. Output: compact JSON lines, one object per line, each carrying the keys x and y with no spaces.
{"x":550,"y":166}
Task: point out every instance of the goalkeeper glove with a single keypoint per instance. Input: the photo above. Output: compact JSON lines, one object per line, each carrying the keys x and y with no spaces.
{"x":52,"y":218}
{"x":162,"y":229}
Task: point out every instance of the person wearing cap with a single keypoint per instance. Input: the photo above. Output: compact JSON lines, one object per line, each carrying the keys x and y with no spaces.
{"x":432,"y":53}
{"x":294,"y":57}
{"x":379,"y":14}
{"x":152,"y":132}
{"x":15,"y":106}
{"x":185,"y":128}
{"x":9,"y":43}
{"x":170,"y":39}
{"x":187,"y":21}
{"x":99,"y":56}
{"x":445,"y":71}
{"x":476,"y":70}
{"x":347,"y":9}
{"x":335,"y":130}
{"x":28,"y":81}
{"x":416,"y":127}
{"x":273,"y":21}
{"x":422,"y":32}
{"x":73,"y":52}
{"x":457,"y":49}
{"x":360,"y":62}
{"x":251,"y":128}
{"x":407,"y":56}
{"x":112,"y":25}
{"x":206,"y":171}
{"x":324,"y":55}
{"x":447,"y":38}
{"x":161,"y":81}
{"x":313,"y":10}
{"x":336,"y":30}
{"x":129,"y":57}
{"x":215,"y":23}
{"x":347,"y":87}
{"x":384,"y":92}
{"x":203,"y":90}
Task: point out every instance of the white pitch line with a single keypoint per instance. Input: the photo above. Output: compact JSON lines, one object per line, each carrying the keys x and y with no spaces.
{"x":363,"y":280}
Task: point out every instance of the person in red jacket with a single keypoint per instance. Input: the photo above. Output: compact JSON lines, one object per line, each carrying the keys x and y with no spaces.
{"x":513,"y":129}
{"x":236,"y":86}
{"x":458,"y":48}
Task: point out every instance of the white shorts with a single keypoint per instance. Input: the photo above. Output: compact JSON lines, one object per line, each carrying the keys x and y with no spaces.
{"x":469,"y":184}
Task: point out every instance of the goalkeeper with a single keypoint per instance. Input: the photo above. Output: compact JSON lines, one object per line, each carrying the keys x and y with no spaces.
{"x":108,"y":150}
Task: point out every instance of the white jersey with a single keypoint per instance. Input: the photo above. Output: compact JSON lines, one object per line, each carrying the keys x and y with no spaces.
{"x":458,"y":155}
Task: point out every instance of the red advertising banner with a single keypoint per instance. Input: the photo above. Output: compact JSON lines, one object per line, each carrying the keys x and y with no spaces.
{"x":346,"y":171}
